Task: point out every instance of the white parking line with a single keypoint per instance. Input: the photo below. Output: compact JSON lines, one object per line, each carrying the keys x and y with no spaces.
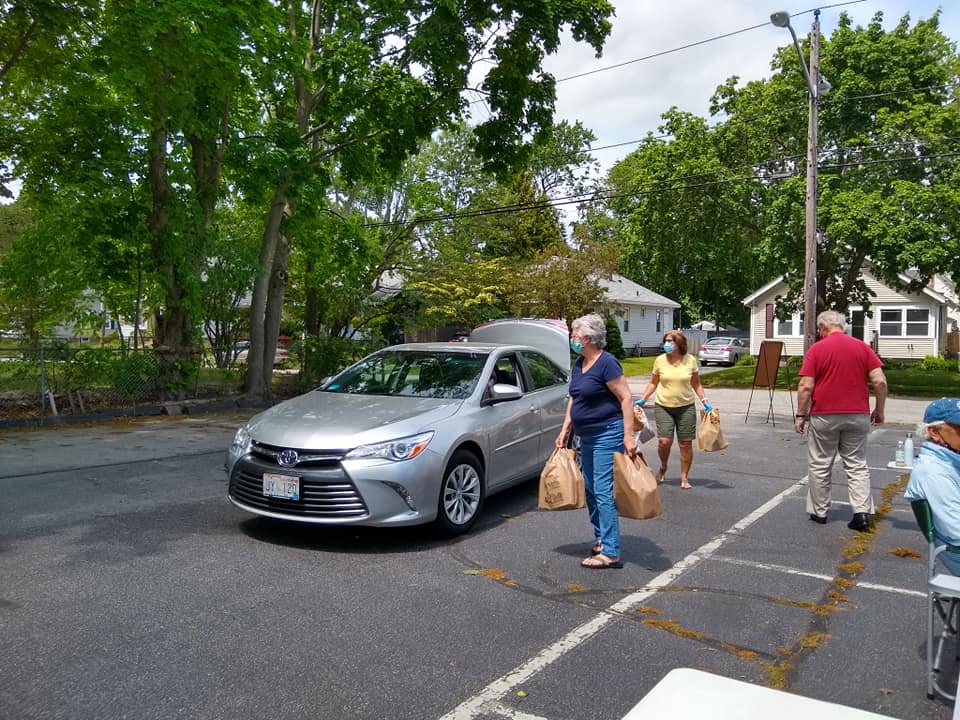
{"x":818,"y":576}
{"x":512,"y":713}
{"x":487,"y":699}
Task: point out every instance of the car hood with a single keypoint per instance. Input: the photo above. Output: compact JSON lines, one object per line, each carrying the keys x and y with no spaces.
{"x":325,"y":420}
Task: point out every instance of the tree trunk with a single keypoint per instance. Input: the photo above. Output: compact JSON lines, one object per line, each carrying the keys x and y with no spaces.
{"x":268,"y":289}
{"x":255,"y":385}
{"x":274,"y":310}
{"x":168,"y":342}
{"x":311,"y":306}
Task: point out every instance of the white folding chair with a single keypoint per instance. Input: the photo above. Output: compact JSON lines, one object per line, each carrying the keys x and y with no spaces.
{"x":943,"y":601}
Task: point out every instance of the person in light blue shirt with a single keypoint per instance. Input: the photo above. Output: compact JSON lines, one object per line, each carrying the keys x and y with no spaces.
{"x":935,"y":476}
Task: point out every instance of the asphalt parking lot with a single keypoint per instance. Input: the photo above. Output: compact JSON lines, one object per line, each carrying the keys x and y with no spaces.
{"x":502,"y":623}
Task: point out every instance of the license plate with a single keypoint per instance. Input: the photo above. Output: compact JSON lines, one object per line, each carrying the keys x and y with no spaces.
{"x":281,"y":486}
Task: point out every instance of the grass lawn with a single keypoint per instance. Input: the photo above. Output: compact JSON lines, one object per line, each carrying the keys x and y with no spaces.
{"x":904,"y":382}
{"x":637,"y":365}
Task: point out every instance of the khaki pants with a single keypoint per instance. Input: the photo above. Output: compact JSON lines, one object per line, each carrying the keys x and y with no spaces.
{"x":827,"y":436}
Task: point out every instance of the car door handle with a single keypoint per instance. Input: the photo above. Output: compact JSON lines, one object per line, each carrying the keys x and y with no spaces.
{"x":534,"y":409}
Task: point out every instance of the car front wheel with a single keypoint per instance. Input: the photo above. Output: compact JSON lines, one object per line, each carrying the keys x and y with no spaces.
{"x":461,"y":494}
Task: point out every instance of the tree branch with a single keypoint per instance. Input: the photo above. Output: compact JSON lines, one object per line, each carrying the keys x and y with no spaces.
{"x":18,"y":50}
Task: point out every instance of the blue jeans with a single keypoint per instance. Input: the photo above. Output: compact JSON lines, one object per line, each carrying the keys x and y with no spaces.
{"x":596,"y":461}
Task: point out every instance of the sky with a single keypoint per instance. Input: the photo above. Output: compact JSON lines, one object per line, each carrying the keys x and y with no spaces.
{"x":622,"y":105}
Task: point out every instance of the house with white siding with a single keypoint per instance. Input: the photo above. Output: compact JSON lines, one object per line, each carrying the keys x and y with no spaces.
{"x":642,"y":315}
{"x":901,"y":324}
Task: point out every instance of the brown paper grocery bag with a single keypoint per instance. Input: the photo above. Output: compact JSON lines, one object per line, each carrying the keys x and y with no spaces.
{"x":709,"y":436}
{"x":635,"y":488}
{"x":561,"y":483}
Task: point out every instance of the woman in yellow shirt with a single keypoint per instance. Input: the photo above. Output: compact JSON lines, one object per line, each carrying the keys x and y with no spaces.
{"x":676,"y":381}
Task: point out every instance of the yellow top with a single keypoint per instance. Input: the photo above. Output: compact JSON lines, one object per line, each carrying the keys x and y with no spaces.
{"x":674,"y":388}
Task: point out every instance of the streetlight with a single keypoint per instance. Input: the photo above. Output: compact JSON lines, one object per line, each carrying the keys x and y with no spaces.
{"x":815,"y":89}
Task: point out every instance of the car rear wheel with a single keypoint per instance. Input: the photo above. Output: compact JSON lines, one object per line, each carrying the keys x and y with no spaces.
{"x":461,"y":494}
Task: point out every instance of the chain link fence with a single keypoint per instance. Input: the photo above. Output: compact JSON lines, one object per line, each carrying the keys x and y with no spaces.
{"x":59,"y":379}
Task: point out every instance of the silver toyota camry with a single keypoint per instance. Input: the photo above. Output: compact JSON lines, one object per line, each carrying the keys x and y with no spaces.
{"x":411,"y":434}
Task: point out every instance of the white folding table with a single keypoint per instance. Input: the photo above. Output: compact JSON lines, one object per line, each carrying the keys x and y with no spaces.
{"x":687,"y":694}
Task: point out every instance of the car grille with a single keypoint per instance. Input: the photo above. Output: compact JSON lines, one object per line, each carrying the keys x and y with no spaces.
{"x":326,"y":492}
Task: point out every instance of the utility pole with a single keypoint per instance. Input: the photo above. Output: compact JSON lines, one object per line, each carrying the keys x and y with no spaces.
{"x":810,"y":251}
{"x":815,"y":86}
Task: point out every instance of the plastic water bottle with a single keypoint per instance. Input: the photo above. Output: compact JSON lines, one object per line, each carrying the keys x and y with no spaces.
{"x":899,"y":457}
{"x":908,"y":450}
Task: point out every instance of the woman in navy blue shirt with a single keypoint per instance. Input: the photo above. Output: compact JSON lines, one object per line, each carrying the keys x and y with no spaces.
{"x":600,"y":411}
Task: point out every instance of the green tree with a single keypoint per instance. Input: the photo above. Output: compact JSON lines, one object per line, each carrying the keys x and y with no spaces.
{"x":36,"y":36}
{"x":36,"y":292}
{"x":707,"y":214}
{"x":562,"y":281}
{"x":129,"y":143}
{"x":887,"y":175}
{"x":685,"y":224}
{"x":227,"y":279}
{"x":561,"y":161}
{"x":614,"y":339}
{"x":361,"y":85}
{"x":520,"y":223}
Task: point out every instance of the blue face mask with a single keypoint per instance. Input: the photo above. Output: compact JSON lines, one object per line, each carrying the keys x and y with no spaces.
{"x":576,"y":346}
{"x":668,"y":347}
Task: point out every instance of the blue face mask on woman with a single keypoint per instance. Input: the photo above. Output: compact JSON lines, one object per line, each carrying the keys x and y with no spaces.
{"x":668,"y":347}
{"x":576,"y":346}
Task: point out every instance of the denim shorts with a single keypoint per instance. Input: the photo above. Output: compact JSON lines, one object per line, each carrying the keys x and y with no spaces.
{"x":679,"y":420}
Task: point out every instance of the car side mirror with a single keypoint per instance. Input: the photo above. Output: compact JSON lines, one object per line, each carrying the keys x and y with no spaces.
{"x":501,"y":392}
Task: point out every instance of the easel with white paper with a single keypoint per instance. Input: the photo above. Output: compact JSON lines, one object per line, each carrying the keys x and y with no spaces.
{"x":765,"y":375}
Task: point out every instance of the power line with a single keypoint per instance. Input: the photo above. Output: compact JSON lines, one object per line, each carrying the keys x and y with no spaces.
{"x":663,"y":186}
{"x":785,"y":109}
{"x":663,"y":52}
{"x":723,"y":36}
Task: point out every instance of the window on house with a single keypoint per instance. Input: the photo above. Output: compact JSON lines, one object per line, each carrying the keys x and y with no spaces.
{"x":791,"y":327}
{"x":918,"y":322}
{"x":659,"y":318}
{"x":626,"y":321}
{"x":904,"y":322}
{"x":643,"y":312}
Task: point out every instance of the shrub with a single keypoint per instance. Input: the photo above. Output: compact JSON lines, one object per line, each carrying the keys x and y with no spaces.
{"x":931,"y":362}
{"x":614,"y":339}
{"x":747,"y":360}
{"x":325,"y":356}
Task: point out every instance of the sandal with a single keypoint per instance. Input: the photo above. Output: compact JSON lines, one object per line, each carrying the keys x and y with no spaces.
{"x":600,"y":562}
{"x":596,"y":549}
{"x":685,"y":485}
{"x":662,"y":475}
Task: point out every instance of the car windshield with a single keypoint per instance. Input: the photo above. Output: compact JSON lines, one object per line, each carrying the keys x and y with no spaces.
{"x":412,"y":373}
{"x":718,"y":341}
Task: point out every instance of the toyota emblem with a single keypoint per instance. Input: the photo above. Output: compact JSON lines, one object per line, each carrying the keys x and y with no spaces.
{"x":288,"y":458}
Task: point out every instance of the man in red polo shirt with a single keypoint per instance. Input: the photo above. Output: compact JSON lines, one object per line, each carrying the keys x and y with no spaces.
{"x":833,"y":403}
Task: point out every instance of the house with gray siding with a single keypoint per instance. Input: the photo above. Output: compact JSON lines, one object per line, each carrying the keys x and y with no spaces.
{"x":642,"y":315}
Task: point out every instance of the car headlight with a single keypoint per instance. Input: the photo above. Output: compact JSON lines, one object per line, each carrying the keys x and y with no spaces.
{"x":241,"y":441}
{"x":400,"y":449}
